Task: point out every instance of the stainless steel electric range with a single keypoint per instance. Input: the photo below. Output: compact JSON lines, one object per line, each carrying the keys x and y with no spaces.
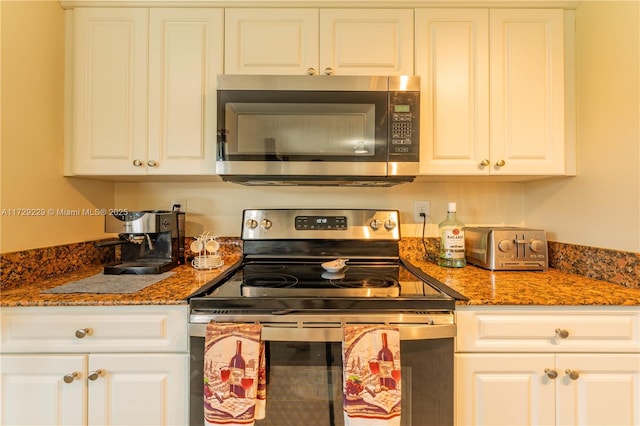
{"x":305,"y":273}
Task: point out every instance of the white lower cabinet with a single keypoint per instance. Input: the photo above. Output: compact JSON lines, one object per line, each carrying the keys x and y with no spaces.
{"x":553,"y":366}
{"x":71,"y":366}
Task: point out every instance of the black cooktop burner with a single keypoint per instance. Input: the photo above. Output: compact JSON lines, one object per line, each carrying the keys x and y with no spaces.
{"x":309,"y":278}
{"x":314,"y":276}
{"x":270,"y":280}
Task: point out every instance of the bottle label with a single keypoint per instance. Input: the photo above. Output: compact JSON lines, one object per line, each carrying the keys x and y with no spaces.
{"x":453,"y":241}
{"x":386,"y":367}
{"x":235,"y":377}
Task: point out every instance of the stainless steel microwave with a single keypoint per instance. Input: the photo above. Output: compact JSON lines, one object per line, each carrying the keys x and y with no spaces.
{"x":318,"y":130}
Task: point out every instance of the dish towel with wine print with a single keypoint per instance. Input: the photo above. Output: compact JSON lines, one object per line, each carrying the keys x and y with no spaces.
{"x":234,"y":374}
{"x":371,"y":375}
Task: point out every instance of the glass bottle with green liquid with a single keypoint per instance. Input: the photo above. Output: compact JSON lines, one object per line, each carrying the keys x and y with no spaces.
{"x":451,"y":232}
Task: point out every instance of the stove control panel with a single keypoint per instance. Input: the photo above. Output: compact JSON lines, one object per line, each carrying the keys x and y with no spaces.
{"x":259,"y":224}
{"x":336,"y":223}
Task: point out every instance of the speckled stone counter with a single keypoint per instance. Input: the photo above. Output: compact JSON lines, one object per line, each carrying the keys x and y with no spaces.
{"x":170,"y":291}
{"x":482,"y":287}
{"x":26,"y":274}
{"x":552,"y":287}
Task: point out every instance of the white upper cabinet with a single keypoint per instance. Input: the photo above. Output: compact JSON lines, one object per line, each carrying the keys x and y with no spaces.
{"x":325,"y":41}
{"x":144,"y":90}
{"x":452,"y":60}
{"x":110,"y":82}
{"x":366,"y":41}
{"x":185,"y":55}
{"x":271,"y":41}
{"x":492,"y":91}
{"x":527,"y":91}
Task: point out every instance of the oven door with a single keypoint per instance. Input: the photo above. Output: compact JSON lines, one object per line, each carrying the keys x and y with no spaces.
{"x":304,"y":375}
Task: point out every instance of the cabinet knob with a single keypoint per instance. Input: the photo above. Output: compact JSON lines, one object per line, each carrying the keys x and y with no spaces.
{"x":137,"y":163}
{"x":152,"y":163}
{"x":552,"y":374}
{"x":573,"y":374}
{"x":94,"y":375}
{"x":561,"y":333}
{"x":311,"y":71}
{"x":82,"y":332}
{"x":500,"y":163}
{"x":328,"y":71}
{"x":69,"y":378}
{"x":485,"y":163}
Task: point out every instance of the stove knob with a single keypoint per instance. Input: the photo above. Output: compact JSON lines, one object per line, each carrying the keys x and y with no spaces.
{"x":266,"y":223}
{"x":375,"y":224}
{"x":536,"y":246}
{"x":505,"y":245}
{"x":251,"y":223}
{"x":389,"y":225}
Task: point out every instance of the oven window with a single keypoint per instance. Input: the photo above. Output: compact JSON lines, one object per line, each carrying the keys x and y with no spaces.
{"x":304,"y":383}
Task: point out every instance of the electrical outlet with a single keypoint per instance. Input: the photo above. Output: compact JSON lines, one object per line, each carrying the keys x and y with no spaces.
{"x":421,"y":207}
{"x":178,"y":205}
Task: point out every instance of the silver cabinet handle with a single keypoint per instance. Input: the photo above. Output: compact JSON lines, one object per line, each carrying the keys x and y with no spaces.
{"x":328,"y":71}
{"x":152,"y":163}
{"x":573,"y":374}
{"x":311,"y":71}
{"x":561,"y":333}
{"x":500,"y":163}
{"x":69,"y":378}
{"x":137,"y":163}
{"x":94,"y":375}
{"x":82,"y":332}
{"x":552,"y":374}
{"x":485,"y":163}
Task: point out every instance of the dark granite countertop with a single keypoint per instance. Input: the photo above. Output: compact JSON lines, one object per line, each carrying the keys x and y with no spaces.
{"x":170,"y":291}
{"x":480,"y":286}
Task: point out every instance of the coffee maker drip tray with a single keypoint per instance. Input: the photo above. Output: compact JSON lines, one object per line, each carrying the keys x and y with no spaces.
{"x":140,"y":266}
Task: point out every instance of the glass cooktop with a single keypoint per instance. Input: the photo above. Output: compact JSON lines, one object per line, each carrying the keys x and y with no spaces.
{"x":309,"y":279}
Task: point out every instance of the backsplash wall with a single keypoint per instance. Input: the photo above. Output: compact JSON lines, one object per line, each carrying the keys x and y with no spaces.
{"x":217,"y":206}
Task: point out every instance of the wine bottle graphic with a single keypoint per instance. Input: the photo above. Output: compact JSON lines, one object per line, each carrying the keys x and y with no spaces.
{"x":385,"y":365}
{"x":237,"y":371}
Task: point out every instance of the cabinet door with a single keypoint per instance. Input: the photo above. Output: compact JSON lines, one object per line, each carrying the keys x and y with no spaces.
{"x":605,"y":392}
{"x":110,"y":91}
{"x":452,"y":60}
{"x":138,"y":389}
{"x":185,"y":55}
{"x":527,"y":91}
{"x":271,"y":41}
{"x":504,"y":389}
{"x":34,"y":390}
{"x":366,"y":41}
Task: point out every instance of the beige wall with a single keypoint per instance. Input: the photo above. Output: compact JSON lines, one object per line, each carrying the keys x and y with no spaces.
{"x":601,"y":206}
{"x":32,"y":88}
{"x":217,"y":207}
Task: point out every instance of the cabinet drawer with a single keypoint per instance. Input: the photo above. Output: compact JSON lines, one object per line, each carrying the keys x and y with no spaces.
{"x":105,"y":329}
{"x":548,"y":330}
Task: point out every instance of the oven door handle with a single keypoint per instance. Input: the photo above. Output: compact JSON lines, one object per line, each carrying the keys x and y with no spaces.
{"x":292,"y":332}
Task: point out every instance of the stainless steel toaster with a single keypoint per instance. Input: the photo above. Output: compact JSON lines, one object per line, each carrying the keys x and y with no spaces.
{"x":506,"y":248}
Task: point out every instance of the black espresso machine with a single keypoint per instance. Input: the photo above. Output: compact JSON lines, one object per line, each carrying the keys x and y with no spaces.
{"x":151,"y":241}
